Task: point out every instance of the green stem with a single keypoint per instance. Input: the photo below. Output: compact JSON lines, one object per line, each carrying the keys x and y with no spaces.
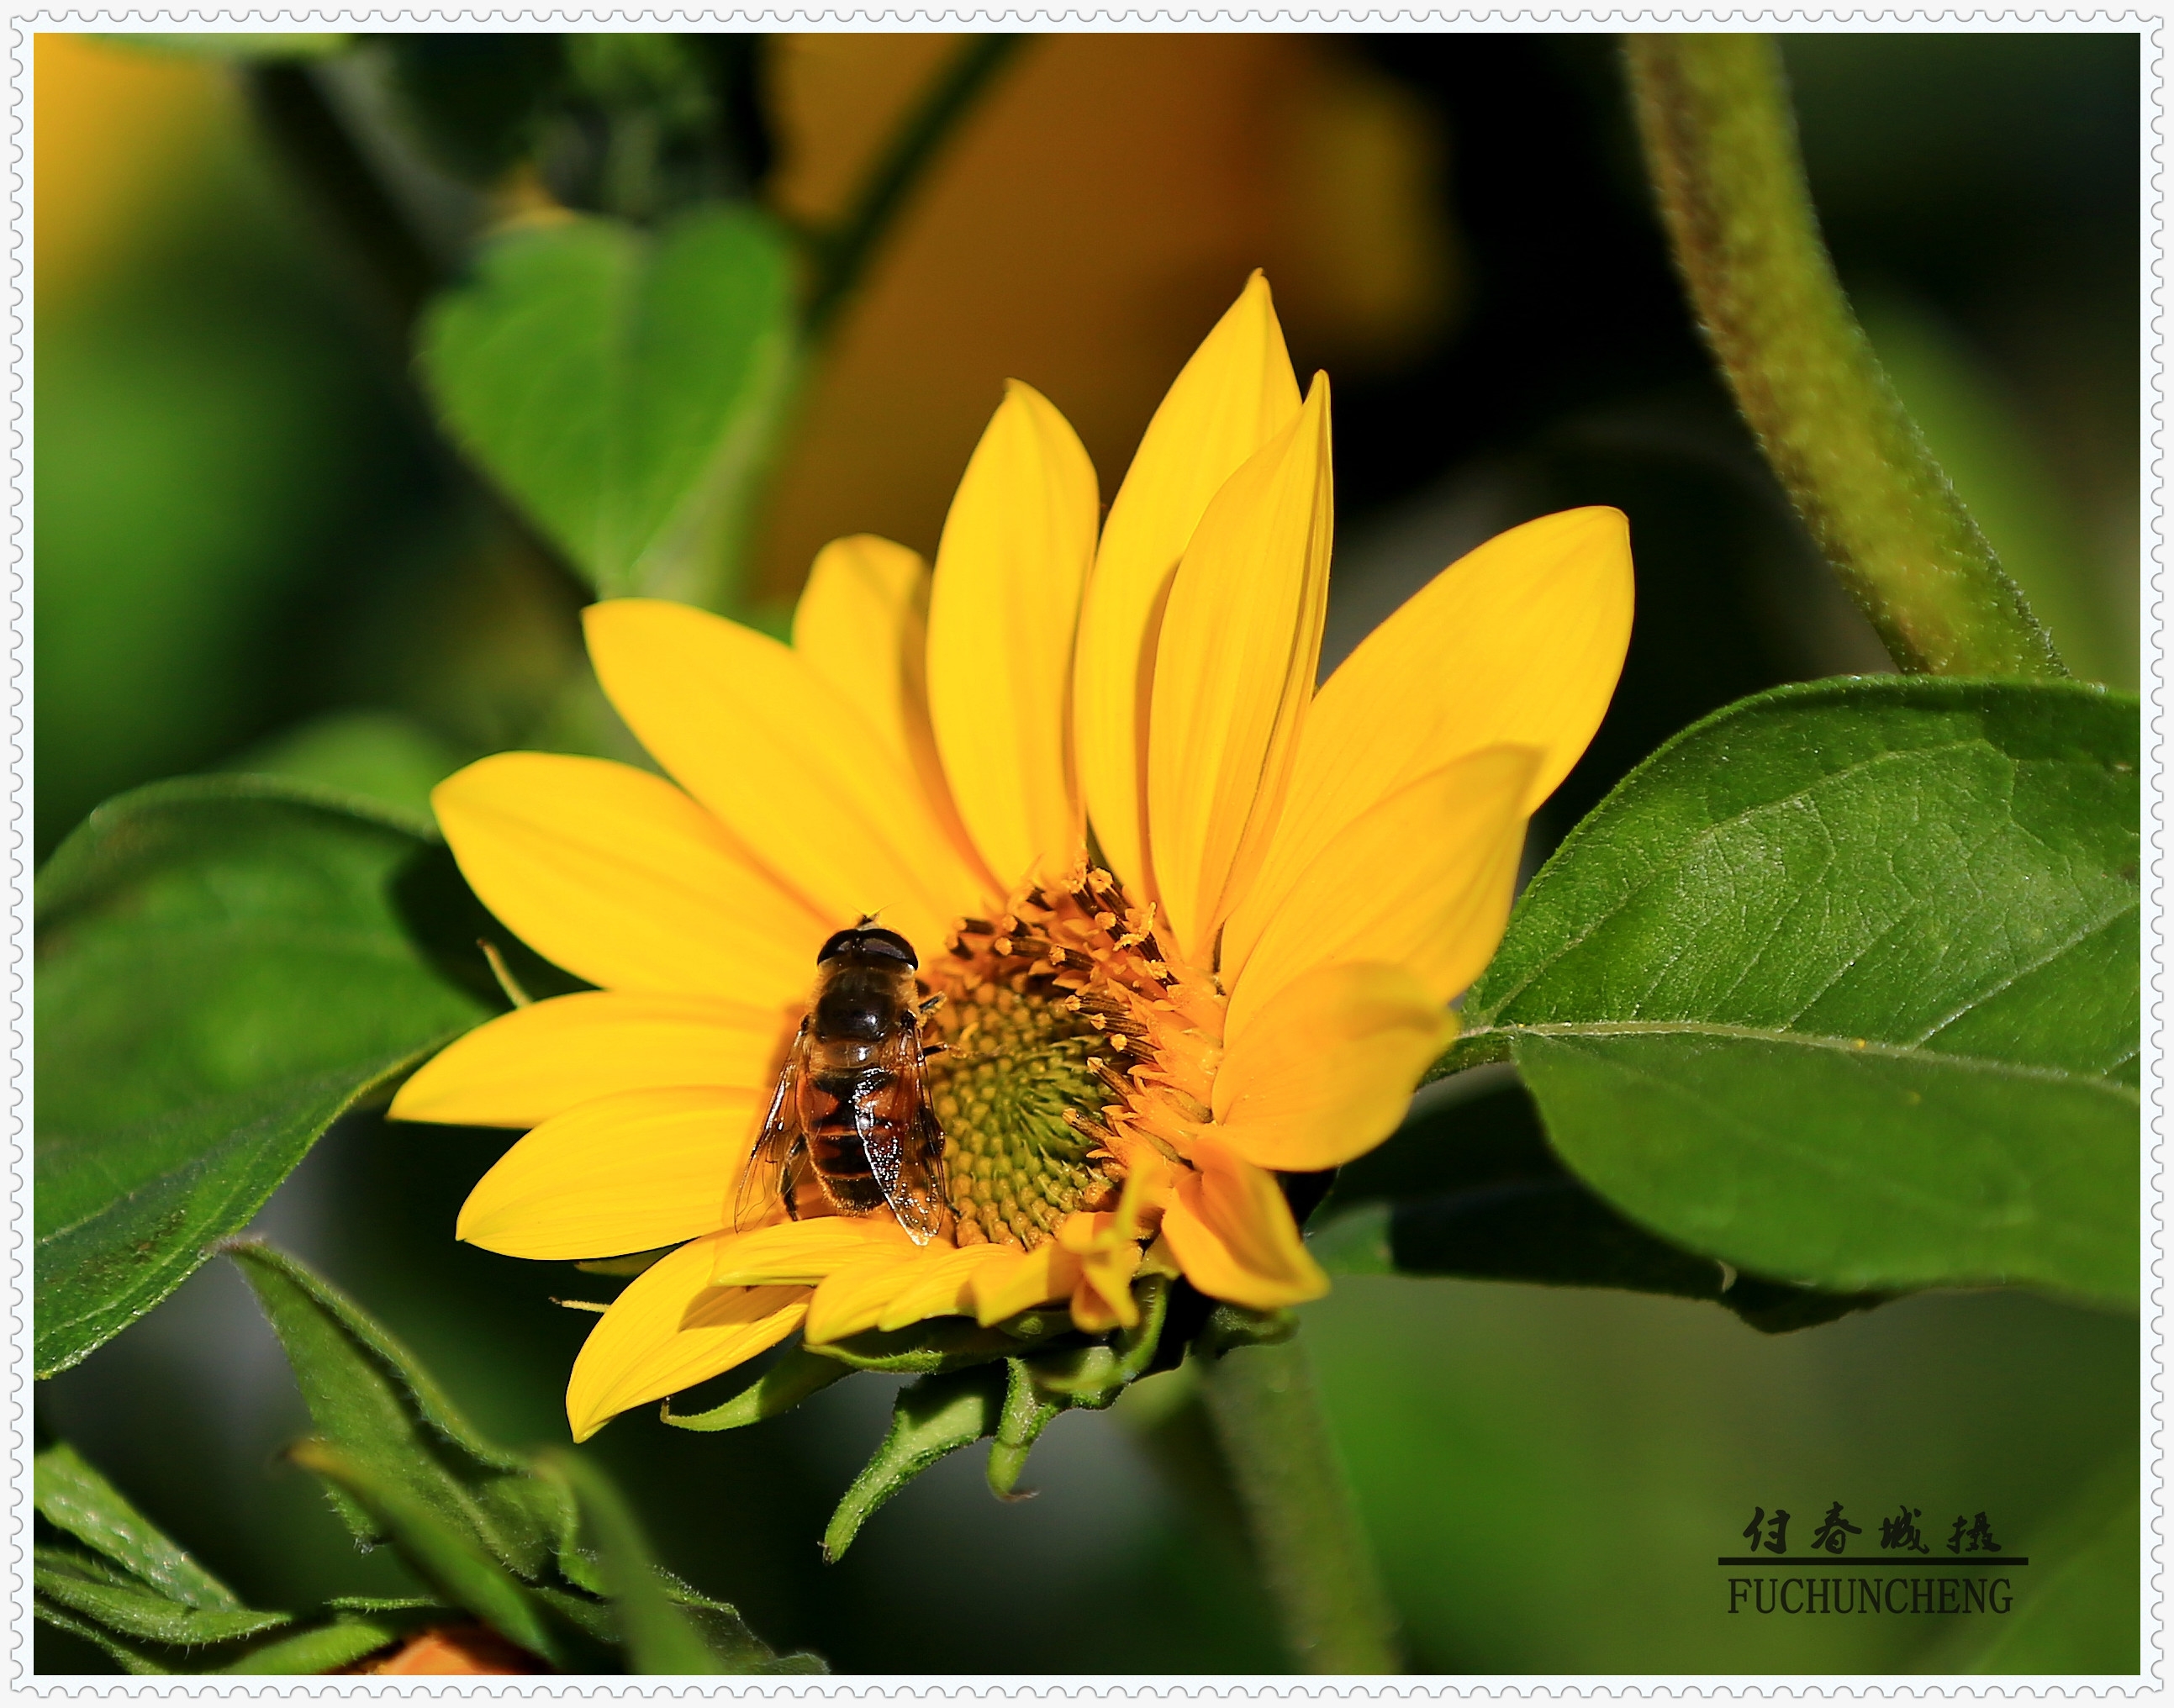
{"x":1306,"y":1535}
{"x":313,"y":144}
{"x":845,"y":251}
{"x":1721,"y":145}
{"x":396,"y":271}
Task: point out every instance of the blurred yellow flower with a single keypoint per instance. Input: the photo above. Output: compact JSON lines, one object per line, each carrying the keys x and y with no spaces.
{"x":1246,"y":971}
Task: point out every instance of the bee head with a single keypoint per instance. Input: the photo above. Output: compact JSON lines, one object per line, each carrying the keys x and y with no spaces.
{"x":864,"y":941}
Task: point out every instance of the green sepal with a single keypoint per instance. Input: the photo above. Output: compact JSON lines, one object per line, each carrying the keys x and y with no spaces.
{"x":939,"y":1344}
{"x":446,"y":1555}
{"x":1028,"y":1410}
{"x":1035,"y":1325}
{"x":1067,"y":1377}
{"x":777,"y":1390}
{"x":1092,"y":1377}
{"x":1231,"y":1326}
{"x":71,"y":1496}
{"x":936,"y":1415}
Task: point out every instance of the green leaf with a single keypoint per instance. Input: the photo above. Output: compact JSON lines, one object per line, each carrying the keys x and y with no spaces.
{"x":340,"y":1642}
{"x":1471,"y":1189}
{"x":777,"y":1390}
{"x":2082,"y":1615}
{"x":473,"y":1517}
{"x":936,"y":1415}
{"x":659,"y":1634}
{"x":443,"y":1552}
{"x":129,"y":1658}
{"x":459,"y":936}
{"x":383,"y":1414}
{"x":120,"y":1604}
{"x":221,"y":972}
{"x":1841,"y":987}
{"x":71,"y":1496}
{"x":623,"y":387}
{"x":417,"y":1604}
{"x":380,"y":756}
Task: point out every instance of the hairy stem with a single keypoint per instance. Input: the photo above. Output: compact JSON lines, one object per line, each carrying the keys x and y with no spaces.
{"x":1720,"y":146}
{"x":846,"y":250}
{"x":1312,"y":1550}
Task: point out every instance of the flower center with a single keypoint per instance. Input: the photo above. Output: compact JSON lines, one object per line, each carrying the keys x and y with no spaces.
{"x":1068,"y":1041}
{"x":1015,"y":1076}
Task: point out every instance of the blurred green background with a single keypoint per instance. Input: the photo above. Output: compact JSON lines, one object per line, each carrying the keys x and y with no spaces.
{"x":253,"y":552}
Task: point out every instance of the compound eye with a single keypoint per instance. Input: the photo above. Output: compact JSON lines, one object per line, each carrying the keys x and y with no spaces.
{"x":868,"y":940}
{"x":877,"y":941}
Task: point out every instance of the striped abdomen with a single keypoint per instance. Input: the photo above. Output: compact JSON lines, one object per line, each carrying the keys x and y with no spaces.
{"x":836,"y":1109}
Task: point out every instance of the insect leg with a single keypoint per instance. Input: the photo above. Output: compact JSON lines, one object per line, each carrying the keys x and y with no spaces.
{"x":785,"y":1188}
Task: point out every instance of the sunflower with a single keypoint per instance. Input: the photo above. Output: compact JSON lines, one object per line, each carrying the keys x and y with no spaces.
{"x":1194,"y":923}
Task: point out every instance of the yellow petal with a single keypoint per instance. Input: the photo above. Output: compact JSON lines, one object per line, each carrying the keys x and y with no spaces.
{"x":1423,"y":879}
{"x":1148,"y":1182}
{"x":1234,"y":670}
{"x":1518,"y":643}
{"x":1093,"y":1314}
{"x":1235,"y":395}
{"x":794,"y":772}
{"x":1233,"y":1232}
{"x":617,"y":876}
{"x":805,"y":1252}
{"x":941,"y":1285}
{"x":1325,"y":1070}
{"x":1001,"y":620}
{"x":1015,"y":1281}
{"x":670,"y":1329}
{"x":626,"y":1173}
{"x":862,"y":625}
{"x":522,"y":1068}
{"x":1084,"y":1232}
{"x":1103,"y":1300}
{"x":896,"y":1288}
{"x":865,"y":607}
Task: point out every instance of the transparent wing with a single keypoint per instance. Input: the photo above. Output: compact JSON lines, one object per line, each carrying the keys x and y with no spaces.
{"x":766,"y":1180}
{"x":905,"y":1145}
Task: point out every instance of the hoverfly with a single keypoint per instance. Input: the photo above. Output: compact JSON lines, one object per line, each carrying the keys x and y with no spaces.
{"x":852,"y":1107}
